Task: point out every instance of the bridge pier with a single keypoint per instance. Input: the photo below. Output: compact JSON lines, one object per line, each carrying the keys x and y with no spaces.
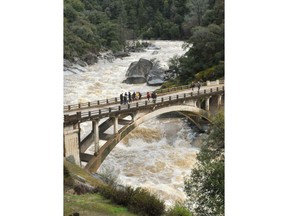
{"x":219,"y":100}
{"x":195,"y":103}
{"x":115,"y":119}
{"x":96,"y":135}
{"x":198,"y":103}
{"x":207,"y":103}
{"x":71,"y":142}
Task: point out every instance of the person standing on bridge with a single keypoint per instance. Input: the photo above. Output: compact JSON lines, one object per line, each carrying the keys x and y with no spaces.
{"x":198,"y":85}
{"x":154,"y":96}
{"x":148,"y":96}
{"x":125,"y":98}
{"x":129,"y":96}
{"x":133,"y":96}
{"x":193,"y":86}
{"x":121,"y":98}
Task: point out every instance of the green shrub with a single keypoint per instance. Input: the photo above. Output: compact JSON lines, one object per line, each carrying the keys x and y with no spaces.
{"x":144,"y":203}
{"x":82,"y":189}
{"x":106,"y":191}
{"x":178,"y":210}
{"x":115,"y":46}
{"x":68,"y":181}
{"x":123,"y":196}
{"x":138,"y":200}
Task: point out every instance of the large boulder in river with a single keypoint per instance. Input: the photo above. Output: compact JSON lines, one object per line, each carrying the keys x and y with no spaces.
{"x":138,"y":71}
{"x":156,"y":75}
{"x":90,"y":58}
{"x":67,"y":63}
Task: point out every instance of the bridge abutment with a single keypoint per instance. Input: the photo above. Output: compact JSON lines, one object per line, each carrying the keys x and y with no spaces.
{"x":71,"y":142}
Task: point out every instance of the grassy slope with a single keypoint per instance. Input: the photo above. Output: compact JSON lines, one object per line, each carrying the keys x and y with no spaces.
{"x":92,"y":204}
{"x":89,"y":204}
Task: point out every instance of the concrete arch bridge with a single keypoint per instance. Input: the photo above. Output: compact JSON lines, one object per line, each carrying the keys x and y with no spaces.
{"x":195,"y":105}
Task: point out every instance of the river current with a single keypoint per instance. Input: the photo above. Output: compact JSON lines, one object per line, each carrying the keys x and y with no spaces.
{"x":159,"y":153}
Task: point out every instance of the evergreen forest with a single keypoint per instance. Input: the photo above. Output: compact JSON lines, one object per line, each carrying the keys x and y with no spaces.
{"x":91,"y":26}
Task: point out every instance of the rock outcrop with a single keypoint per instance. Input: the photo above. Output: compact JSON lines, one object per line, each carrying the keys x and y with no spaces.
{"x":156,"y":75}
{"x":138,"y":71}
{"x":75,"y":68}
{"x":91,"y":58}
{"x":145,"y":71}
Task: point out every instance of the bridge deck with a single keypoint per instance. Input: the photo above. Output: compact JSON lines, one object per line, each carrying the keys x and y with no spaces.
{"x":88,"y":113}
{"x":110,"y":102}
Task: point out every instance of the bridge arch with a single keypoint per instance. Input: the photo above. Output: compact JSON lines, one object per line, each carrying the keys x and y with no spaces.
{"x":141,"y":117}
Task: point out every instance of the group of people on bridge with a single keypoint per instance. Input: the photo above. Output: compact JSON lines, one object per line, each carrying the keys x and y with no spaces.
{"x":198,"y":85}
{"x":153,"y":95}
{"x":129,"y":97}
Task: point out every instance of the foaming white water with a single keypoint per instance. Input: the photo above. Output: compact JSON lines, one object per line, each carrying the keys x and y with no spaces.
{"x":159,"y":165}
{"x":158,"y":154}
{"x":104,"y":80}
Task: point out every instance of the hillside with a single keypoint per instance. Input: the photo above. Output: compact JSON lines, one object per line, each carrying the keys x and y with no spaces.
{"x":86,"y":204}
{"x":91,"y":26}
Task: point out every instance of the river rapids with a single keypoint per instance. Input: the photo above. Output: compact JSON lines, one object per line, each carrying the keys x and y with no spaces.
{"x":157,"y":155}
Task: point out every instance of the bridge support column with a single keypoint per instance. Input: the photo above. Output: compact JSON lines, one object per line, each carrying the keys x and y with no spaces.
{"x":115,"y":124}
{"x":207,"y":103}
{"x":219,"y":100}
{"x":71,"y":143}
{"x":96,"y":135}
{"x":199,"y":103}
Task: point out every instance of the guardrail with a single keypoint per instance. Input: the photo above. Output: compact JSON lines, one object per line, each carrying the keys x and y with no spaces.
{"x":117,"y":100}
{"x":143,"y":104}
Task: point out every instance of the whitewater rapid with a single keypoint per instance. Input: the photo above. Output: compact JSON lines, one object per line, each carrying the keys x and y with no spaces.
{"x":158,"y":154}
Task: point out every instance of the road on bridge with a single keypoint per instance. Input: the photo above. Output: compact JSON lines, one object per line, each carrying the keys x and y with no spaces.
{"x":144,"y":98}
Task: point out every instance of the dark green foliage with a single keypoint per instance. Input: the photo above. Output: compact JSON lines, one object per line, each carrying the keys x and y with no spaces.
{"x":178,"y":210}
{"x":66,"y":173}
{"x":123,"y":196}
{"x":70,"y":13}
{"x":88,"y":29}
{"x":145,"y":203}
{"x":119,"y":196}
{"x":207,"y":50}
{"x":212,"y":73}
{"x":106,"y":191}
{"x":205,"y":186}
{"x":90,"y":26}
{"x":206,"y":53}
{"x":68,"y":181}
{"x":83,"y":189}
{"x":138,"y":200}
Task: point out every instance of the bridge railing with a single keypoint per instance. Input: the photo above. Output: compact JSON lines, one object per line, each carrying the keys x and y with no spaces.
{"x":139,"y":104}
{"x":102,"y":102}
{"x":115,"y":100}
